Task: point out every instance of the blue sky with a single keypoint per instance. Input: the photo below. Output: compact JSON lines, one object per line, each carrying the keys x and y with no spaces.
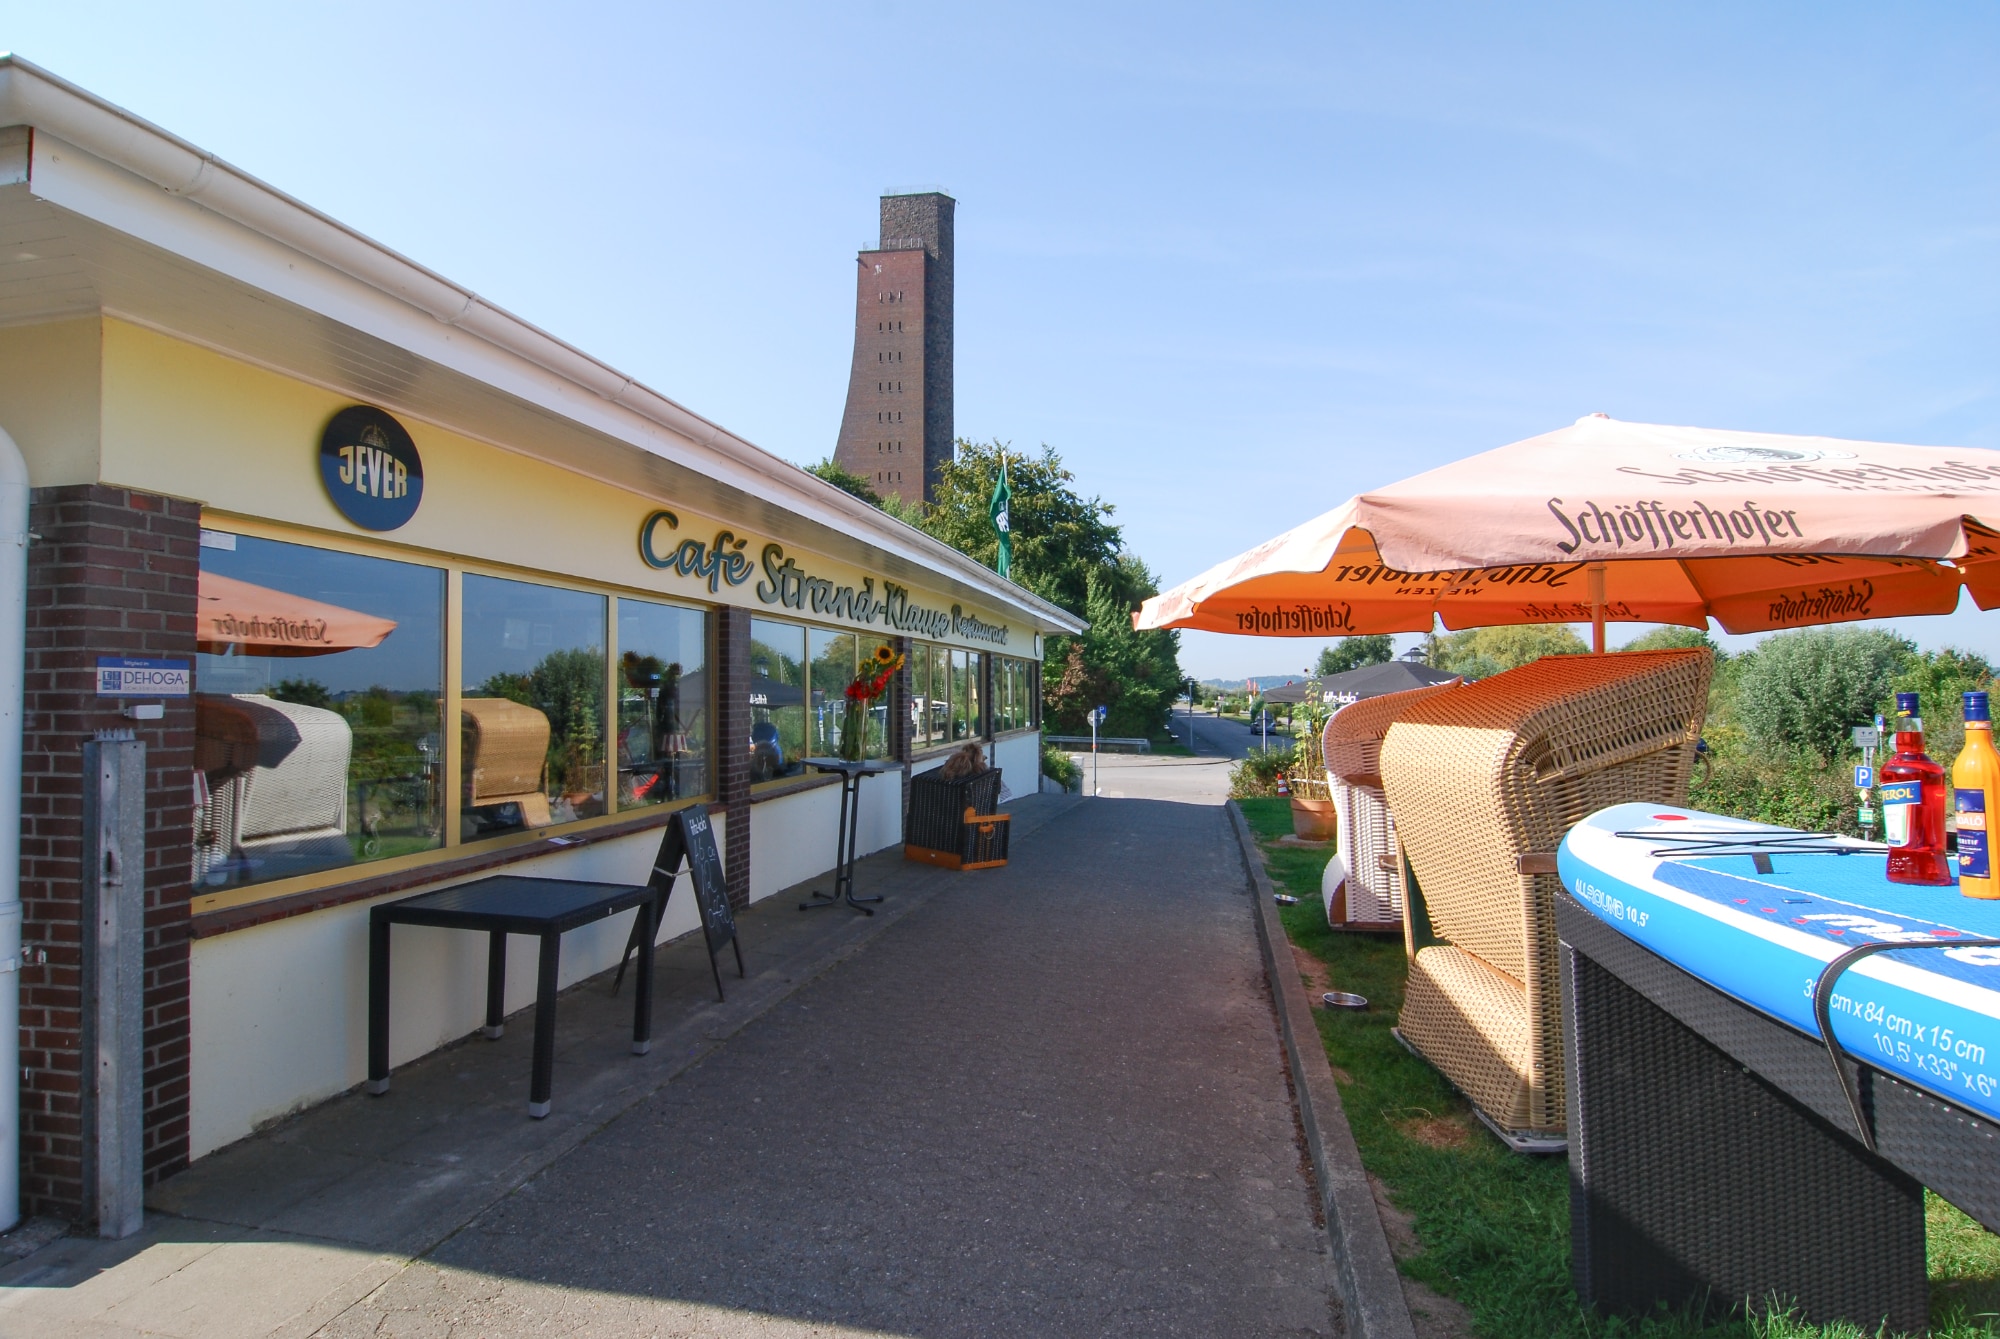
{"x":1235,"y":264}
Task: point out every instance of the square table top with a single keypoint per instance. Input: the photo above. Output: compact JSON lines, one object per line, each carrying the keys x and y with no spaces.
{"x":862,"y":766}
{"x":515,"y":903}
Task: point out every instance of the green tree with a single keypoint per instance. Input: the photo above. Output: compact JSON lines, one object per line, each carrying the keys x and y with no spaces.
{"x":568,"y":688}
{"x":1135,"y":675}
{"x":303,"y":692}
{"x":1940,"y":679}
{"x":846,"y":480}
{"x":1805,"y":689}
{"x":1481,"y":653}
{"x":1060,"y":537}
{"x":1670,"y":638}
{"x":1354,"y":652}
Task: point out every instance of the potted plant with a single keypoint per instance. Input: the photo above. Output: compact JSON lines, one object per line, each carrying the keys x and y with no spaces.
{"x":1312,"y":796}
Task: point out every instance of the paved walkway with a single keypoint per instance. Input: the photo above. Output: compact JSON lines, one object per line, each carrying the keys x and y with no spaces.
{"x":1043,"y":1100}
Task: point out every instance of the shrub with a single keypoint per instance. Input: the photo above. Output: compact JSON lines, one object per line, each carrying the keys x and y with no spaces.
{"x":1258,"y":774}
{"x":1790,"y":786}
{"x":1481,"y":653}
{"x":1805,"y":689}
{"x":1060,"y":768}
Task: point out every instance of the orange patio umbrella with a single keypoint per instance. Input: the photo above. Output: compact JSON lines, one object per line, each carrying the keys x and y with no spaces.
{"x":237,"y":618}
{"x":1625,"y":522}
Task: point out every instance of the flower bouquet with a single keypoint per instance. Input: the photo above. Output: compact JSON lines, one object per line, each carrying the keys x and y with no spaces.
{"x":873,"y":681}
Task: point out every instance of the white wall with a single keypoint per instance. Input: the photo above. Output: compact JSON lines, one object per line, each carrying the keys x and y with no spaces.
{"x":280,"y":1011}
{"x":1019,"y":758}
{"x":792,"y":837}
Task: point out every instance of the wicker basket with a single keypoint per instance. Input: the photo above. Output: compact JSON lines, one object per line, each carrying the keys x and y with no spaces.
{"x":1365,"y":832}
{"x":941,"y":814}
{"x":1490,"y":772}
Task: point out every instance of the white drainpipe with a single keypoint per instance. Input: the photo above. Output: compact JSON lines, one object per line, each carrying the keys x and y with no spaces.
{"x":13,"y":637}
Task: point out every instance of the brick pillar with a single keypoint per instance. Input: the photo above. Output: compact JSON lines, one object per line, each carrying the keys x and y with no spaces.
{"x":732,"y":745}
{"x":113,"y":573}
{"x":902,"y":731}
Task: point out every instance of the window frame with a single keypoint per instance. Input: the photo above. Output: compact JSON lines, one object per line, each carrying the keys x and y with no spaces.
{"x":454,"y":847}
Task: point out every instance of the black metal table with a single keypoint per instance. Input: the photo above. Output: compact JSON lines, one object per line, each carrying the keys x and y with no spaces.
{"x":850,"y":820}
{"x":500,"y":906}
{"x":1714,"y":1156}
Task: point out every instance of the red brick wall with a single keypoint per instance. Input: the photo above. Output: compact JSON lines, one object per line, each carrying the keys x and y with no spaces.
{"x":113,"y":573}
{"x":732,"y":745}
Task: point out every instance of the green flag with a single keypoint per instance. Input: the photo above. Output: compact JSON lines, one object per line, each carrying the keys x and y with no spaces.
{"x":1002,"y":495}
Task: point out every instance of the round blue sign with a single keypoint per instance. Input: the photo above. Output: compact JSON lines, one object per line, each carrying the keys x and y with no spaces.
{"x":371,"y":468}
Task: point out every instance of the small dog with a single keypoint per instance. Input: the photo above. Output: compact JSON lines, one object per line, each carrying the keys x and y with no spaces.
{"x":968,"y":761}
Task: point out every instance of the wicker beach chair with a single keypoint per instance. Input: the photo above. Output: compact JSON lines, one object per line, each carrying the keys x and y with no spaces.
{"x":506,"y":753}
{"x":276,"y":782}
{"x":1364,"y":831}
{"x":1496,"y":771}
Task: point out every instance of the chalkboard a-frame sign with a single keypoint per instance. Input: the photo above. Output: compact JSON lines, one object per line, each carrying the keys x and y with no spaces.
{"x":690,"y":837}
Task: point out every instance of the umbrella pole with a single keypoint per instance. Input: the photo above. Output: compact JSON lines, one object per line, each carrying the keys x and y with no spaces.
{"x":1596,"y":571}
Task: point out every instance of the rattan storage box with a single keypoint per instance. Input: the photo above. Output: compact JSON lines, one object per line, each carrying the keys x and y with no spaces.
{"x":1365,"y":832}
{"x":1484,"y":774}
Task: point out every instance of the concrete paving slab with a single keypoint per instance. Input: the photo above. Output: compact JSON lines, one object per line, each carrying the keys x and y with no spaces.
{"x":1052,"y":1102}
{"x":1047,"y":1099}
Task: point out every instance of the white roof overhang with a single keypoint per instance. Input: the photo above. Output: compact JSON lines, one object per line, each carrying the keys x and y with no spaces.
{"x":103,"y":212}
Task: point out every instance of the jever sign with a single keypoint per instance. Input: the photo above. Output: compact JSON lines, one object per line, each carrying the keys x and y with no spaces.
{"x":371,"y":468}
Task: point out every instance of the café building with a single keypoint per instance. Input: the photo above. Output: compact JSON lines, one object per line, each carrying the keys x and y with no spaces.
{"x":398,"y":590}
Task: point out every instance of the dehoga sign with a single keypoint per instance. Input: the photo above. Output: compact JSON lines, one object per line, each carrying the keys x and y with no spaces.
{"x":722,"y":562}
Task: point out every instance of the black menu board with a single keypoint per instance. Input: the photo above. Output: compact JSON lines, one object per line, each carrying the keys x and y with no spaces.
{"x":692,"y":836}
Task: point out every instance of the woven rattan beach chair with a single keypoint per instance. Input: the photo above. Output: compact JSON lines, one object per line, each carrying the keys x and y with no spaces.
{"x":1484,"y":776}
{"x":506,"y":751}
{"x":276,"y":775}
{"x":1364,"y":831}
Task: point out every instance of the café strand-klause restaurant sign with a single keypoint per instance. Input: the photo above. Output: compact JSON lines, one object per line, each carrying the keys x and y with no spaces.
{"x":726,"y":562}
{"x":371,"y":468}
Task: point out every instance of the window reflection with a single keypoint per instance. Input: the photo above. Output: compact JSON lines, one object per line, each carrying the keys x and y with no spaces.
{"x":531,"y":720}
{"x":832,"y":672}
{"x":316,"y":717}
{"x":662,"y":703}
{"x":777,"y":699}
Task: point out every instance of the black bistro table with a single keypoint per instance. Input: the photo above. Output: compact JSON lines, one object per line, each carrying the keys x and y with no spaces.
{"x":850,"y":820}
{"x":1714,"y":1154}
{"x":500,"y":906}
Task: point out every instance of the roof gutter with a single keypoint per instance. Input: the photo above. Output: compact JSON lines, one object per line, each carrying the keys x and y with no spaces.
{"x":30,"y":95}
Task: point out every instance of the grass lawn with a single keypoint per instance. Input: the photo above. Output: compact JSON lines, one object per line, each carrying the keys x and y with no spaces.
{"x":1493,"y":1225}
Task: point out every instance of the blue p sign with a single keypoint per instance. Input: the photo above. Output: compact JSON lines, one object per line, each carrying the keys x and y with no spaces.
{"x":1864,"y":776}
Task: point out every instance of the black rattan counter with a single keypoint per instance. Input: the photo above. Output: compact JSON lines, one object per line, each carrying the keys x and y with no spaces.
{"x":1714,"y":1157}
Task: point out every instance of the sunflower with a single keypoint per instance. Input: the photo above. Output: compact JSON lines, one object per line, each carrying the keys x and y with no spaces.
{"x":884,"y":654}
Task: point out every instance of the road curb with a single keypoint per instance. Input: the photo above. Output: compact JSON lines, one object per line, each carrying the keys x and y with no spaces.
{"x":1371,"y":1291}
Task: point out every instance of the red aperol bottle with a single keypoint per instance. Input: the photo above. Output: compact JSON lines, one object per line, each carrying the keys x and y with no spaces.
{"x":1913,"y":803}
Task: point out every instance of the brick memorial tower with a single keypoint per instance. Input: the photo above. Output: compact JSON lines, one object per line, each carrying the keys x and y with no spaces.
{"x":897,"y":431}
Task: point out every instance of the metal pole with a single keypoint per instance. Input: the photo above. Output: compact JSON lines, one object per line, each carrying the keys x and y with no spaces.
{"x":114,"y":977}
{"x":1093,"y":753}
{"x":1597,"y":607}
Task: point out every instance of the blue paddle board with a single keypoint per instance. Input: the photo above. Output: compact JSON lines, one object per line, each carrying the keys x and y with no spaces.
{"x":1758,"y":911}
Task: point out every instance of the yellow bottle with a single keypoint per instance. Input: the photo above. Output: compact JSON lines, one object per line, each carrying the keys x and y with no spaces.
{"x":1975,"y":780}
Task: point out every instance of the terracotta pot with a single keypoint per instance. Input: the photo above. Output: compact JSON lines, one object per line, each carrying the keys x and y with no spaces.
{"x":1312,"y":820}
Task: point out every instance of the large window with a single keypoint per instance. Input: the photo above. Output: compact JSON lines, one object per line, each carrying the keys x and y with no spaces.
{"x":531,"y":717}
{"x":318,"y":678}
{"x":777,"y":699}
{"x":662,"y":703}
{"x":798,"y":697}
{"x":946,"y":687}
